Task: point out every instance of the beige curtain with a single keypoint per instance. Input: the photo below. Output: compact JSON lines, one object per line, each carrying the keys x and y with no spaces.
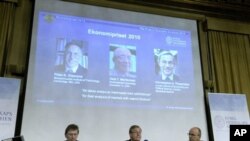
{"x":7,"y":15}
{"x":230,"y":59}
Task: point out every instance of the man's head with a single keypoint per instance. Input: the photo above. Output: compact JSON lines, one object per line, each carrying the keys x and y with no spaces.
{"x":122,"y":60}
{"x":194,"y":134}
{"x":71,"y":132}
{"x":135,"y":133}
{"x":73,"y":55}
{"x":167,"y":63}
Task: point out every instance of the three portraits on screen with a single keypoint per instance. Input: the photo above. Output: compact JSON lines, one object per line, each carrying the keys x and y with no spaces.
{"x":72,"y":57}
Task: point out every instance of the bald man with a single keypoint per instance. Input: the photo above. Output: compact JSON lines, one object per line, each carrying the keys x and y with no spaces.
{"x":194,"y":134}
{"x":122,"y":63}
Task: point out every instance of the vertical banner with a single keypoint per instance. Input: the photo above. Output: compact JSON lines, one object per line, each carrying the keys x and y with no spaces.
{"x":9,"y":95}
{"x":226,"y":110}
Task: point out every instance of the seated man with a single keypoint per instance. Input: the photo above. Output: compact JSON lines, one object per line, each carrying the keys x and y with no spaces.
{"x":135,"y":133}
{"x":71,"y":132}
{"x":122,"y":63}
{"x":194,"y":134}
{"x":72,"y":57}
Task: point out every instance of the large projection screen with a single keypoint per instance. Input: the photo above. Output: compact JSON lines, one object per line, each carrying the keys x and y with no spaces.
{"x":105,"y":102}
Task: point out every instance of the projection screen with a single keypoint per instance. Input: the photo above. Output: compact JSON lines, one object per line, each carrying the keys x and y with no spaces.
{"x":128,"y":68}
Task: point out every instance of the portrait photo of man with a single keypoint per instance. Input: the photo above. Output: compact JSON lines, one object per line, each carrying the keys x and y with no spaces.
{"x":72,"y":59}
{"x":122,"y":63}
{"x":166,"y":63}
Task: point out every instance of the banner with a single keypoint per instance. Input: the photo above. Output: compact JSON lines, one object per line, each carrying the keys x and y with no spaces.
{"x":9,"y":95}
{"x":226,"y":110}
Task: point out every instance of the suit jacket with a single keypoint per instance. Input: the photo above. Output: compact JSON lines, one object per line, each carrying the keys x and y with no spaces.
{"x":175,"y":78}
{"x":80,"y":70}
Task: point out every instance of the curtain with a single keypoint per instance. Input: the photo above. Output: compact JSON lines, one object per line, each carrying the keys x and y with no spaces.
{"x":230,"y":59}
{"x":7,"y":16}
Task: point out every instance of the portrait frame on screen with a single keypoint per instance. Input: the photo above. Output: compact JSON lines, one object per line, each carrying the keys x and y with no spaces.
{"x":166,"y":63}
{"x":122,"y":61}
{"x":71,"y":56}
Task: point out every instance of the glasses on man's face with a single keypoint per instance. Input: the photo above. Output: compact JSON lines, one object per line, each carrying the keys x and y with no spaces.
{"x":123,"y":58}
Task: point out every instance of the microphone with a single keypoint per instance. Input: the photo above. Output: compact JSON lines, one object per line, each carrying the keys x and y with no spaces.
{"x":145,"y":140}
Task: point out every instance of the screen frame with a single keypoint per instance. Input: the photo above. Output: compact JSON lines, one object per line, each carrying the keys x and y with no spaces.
{"x":115,"y":5}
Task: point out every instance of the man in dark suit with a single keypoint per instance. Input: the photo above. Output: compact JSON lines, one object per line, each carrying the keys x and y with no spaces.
{"x":135,"y":133}
{"x":167,"y":63}
{"x":72,"y":60}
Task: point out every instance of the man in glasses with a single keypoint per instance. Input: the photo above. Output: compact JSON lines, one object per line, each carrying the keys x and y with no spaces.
{"x":135,"y":133}
{"x":122,"y":63}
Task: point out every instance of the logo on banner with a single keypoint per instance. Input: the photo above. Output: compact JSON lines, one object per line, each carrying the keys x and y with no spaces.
{"x":226,"y":121}
{"x":5,"y":116}
{"x":219,"y":121}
